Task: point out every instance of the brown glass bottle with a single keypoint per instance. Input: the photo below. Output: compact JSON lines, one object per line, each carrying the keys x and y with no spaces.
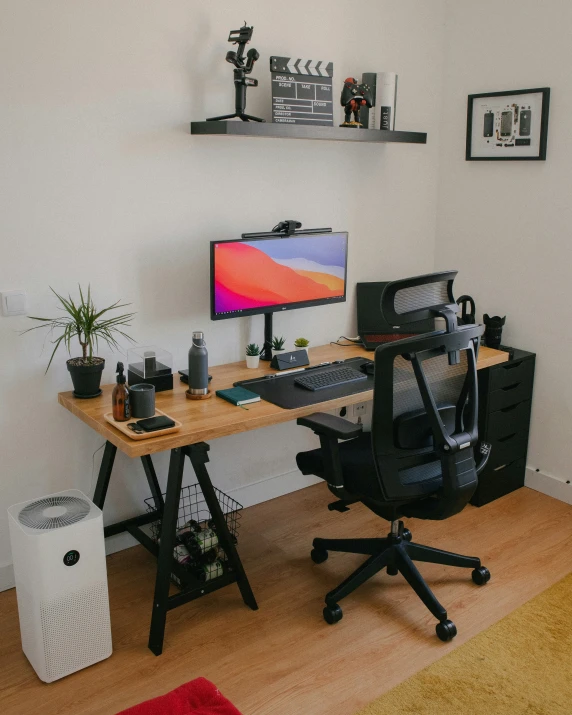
{"x":120,"y":397}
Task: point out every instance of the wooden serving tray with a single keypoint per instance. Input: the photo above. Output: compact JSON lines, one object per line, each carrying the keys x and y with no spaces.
{"x":122,"y":426}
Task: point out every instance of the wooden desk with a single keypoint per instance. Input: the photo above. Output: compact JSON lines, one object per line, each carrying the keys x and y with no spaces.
{"x":208,"y":419}
{"x":201,"y":420}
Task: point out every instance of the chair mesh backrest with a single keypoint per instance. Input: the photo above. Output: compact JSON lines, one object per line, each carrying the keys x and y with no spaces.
{"x":445,"y":381}
{"x":418,"y":297}
{"x":397,"y":392}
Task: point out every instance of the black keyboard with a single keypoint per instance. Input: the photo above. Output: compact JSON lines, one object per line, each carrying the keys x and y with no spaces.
{"x":331,"y":378}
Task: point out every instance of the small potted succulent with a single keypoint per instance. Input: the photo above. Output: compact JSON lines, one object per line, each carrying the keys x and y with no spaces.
{"x":82,"y":320}
{"x":301,"y":343}
{"x":277,"y":345}
{"x":252,"y":355}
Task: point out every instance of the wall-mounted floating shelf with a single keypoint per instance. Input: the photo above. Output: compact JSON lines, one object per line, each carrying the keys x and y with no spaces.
{"x":293,"y":131}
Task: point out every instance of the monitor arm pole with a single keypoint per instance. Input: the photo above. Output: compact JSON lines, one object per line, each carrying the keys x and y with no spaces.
{"x":266,"y":353}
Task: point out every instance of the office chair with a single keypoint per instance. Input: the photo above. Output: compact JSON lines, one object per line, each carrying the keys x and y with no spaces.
{"x":419,"y":460}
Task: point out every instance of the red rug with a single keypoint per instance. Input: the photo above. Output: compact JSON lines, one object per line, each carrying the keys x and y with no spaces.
{"x":198,"y":697}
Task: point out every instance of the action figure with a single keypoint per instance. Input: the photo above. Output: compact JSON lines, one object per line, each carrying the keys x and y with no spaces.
{"x":241,"y":38}
{"x":354,"y":96}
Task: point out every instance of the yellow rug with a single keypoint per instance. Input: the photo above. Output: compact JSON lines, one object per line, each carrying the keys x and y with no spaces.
{"x":522,"y":664}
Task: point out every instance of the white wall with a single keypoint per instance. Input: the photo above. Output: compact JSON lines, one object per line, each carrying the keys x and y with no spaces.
{"x":103,"y":183}
{"x":506,"y":225}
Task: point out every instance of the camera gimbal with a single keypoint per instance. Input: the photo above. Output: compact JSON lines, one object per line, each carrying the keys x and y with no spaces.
{"x":241,"y":38}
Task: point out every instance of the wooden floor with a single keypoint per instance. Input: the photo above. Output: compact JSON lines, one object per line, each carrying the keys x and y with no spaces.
{"x":284,"y":659}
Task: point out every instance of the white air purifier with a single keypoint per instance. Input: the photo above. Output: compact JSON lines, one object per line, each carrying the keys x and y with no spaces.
{"x":58,"y":550}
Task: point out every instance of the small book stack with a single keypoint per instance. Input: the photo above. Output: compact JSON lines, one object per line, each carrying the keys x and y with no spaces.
{"x":384,"y":88}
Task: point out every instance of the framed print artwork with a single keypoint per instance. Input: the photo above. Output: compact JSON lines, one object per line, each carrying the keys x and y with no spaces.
{"x":508,"y":126}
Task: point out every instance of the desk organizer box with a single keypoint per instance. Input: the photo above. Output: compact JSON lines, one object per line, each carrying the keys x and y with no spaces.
{"x":193,"y":507}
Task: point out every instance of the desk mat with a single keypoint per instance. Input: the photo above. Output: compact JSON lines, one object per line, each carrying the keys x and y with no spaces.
{"x":282,"y":391}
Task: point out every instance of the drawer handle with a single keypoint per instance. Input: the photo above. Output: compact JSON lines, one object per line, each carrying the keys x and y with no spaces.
{"x":511,"y":408}
{"x":511,"y":365}
{"x":510,"y":387}
{"x":506,"y":439}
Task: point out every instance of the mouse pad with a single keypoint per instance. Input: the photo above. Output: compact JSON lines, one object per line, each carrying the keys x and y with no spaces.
{"x":282,"y":391}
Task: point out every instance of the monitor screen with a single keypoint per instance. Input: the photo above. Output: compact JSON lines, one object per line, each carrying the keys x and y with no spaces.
{"x":263,"y":275}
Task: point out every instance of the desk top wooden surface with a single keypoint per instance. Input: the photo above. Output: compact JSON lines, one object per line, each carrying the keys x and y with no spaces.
{"x":204,"y":420}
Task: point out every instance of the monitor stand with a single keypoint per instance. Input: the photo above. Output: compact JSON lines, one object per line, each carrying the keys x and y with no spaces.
{"x":266,"y":353}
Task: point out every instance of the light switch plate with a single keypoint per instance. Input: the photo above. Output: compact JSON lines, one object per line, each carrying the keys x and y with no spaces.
{"x":13,"y":303}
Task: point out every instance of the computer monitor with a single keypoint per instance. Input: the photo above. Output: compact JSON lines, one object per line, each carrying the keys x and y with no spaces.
{"x":271,"y":274}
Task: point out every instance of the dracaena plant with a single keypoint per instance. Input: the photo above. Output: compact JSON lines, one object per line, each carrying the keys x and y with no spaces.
{"x":82,"y":320}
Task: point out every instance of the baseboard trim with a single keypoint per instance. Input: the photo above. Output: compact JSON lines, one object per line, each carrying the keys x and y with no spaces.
{"x":272,"y":487}
{"x":6,"y":577}
{"x":547,"y":484}
{"x":247,"y":495}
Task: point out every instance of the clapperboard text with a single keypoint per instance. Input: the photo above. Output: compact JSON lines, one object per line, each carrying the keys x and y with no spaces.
{"x":302,"y":91}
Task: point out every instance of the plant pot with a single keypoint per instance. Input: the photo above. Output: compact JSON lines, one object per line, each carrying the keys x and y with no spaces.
{"x":252,"y":361}
{"x":86,"y":378}
{"x":277,"y":352}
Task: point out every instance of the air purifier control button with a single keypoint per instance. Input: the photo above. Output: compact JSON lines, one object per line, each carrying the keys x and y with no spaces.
{"x":71,"y":558}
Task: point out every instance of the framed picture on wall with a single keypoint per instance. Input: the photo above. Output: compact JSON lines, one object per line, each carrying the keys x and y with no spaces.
{"x":508,"y":126}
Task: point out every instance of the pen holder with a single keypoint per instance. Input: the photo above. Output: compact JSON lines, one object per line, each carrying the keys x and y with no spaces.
{"x":142,"y":398}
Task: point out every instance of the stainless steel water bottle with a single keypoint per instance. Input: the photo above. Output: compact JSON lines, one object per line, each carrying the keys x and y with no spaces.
{"x":198,"y":365}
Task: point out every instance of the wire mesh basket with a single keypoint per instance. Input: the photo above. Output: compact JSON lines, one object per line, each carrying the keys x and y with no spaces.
{"x":193,"y":510}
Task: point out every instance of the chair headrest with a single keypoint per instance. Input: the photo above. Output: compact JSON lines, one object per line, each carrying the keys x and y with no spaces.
{"x":420,"y":298}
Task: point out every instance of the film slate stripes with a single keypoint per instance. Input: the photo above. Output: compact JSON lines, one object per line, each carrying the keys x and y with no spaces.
{"x":302,"y":91}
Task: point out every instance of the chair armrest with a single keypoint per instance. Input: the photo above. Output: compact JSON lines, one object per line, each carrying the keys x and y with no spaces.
{"x":330,"y":425}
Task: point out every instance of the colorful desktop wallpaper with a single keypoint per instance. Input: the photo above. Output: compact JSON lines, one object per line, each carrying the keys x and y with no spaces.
{"x":255,"y":274}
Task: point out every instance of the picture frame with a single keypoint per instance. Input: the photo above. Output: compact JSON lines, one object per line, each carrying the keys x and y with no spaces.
{"x":508,"y":126}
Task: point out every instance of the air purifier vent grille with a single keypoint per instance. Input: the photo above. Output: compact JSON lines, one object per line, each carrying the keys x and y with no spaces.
{"x":54,"y":512}
{"x":76,"y":630}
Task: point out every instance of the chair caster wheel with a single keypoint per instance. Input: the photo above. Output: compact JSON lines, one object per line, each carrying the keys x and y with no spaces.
{"x":392,"y":570}
{"x":446,"y":630}
{"x":481,"y":575}
{"x":332,"y":614}
{"x":318,"y":556}
{"x":407,"y":535}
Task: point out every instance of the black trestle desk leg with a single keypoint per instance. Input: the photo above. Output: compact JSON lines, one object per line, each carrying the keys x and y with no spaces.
{"x":199,"y":457}
{"x":153,"y":482}
{"x":165,"y":560}
{"x":104,"y":476}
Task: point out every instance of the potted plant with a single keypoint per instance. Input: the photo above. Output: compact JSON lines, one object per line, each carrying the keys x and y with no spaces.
{"x":277,"y":345}
{"x":301,"y":343}
{"x":82,"y":320}
{"x":252,"y":355}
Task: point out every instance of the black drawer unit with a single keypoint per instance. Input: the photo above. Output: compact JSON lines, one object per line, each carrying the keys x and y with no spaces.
{"x":505,"y":396}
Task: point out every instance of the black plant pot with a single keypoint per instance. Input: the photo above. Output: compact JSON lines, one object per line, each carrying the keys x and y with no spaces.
{"x":86,"y":378}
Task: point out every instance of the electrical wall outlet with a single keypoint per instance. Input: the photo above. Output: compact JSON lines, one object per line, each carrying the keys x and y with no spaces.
{"x":13,"y":302}
{"x":360,"y":410}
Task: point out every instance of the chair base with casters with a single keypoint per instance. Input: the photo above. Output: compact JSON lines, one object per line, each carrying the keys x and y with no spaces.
{"x":395,"y":553}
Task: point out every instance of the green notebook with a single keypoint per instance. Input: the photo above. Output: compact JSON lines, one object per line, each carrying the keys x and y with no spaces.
{"x":238,"y":396}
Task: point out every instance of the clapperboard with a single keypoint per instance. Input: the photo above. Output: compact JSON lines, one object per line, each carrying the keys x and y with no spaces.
{"x":302,"y":91}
